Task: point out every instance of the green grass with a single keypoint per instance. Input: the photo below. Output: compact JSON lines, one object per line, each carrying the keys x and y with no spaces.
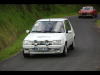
{"x":15,"y":19}
{"x":98,"y":22}
{"x":13,"y":48}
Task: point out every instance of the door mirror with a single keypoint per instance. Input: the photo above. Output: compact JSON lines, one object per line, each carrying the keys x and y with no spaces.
{"x":27,"y":31}
{"x":70,"y":32}
{"x":66,"y":31}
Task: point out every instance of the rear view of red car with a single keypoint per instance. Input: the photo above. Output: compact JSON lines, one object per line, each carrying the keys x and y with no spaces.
{"x":87,"y":11}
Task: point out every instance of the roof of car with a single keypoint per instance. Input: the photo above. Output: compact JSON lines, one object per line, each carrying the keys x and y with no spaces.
{"x":53,"y":19}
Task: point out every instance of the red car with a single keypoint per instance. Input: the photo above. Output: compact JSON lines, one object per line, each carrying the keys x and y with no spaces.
{"x":87,"y":11}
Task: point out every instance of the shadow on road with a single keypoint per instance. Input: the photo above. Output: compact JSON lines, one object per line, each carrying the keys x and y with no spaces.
{"x":49,"y":55}
{"x":87,"y":17}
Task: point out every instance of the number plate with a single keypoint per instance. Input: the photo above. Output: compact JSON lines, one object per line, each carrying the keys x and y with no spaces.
{"x":41,"y":48}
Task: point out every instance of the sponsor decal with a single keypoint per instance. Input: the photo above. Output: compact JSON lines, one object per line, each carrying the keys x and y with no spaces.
{"x":43,"y":37}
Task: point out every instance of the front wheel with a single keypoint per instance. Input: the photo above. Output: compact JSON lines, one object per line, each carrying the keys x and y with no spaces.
{"x":64,"y":51}
{"x":25,"y":55}
{"x":79,"y":16}
{"x":92,"y":15}
{"x":96,"y":16}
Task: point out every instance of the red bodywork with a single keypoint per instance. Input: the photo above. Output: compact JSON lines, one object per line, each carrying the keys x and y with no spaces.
{"x":92,"y":12}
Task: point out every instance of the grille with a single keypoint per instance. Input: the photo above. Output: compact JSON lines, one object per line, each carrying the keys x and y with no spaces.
{"x":84,"y":13}
{"x":42,"y":42}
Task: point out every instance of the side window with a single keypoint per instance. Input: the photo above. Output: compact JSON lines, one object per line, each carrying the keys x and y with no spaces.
{"x":67,"y":25}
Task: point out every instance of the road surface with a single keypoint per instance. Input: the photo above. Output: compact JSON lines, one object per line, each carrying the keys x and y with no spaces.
{"x":85,"y":56}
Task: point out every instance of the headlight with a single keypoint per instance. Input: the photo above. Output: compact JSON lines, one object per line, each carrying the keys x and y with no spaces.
{"x":27,"y":42}
{"x":80,"y":13}
{"x":56,"y":42}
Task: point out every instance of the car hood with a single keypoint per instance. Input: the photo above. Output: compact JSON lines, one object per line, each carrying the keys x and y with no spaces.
{"x":44,"y":36}
{"x":85,"y":11}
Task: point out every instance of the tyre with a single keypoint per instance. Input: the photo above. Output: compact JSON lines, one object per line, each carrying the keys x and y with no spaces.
{"x":64,"y":51}
{"x":25,"y":55}
{"x":92,"y":15}
{"x":96,"y":16}
{"x":79,"y":16}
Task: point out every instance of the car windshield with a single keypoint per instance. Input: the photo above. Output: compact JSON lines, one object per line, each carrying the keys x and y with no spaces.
{"x":48,"y":27}
{"x":87,"y":8}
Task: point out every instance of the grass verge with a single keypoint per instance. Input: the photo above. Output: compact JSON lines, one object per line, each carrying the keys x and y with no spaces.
{"x":98,"y":22}
{"x":13,"y":48}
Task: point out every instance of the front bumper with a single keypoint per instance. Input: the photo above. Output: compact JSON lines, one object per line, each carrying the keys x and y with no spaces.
{"x":53,"y":49}
{"x":85,"y":14}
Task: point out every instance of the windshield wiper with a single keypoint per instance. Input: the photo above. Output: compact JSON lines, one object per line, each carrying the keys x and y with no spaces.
{"x":52,"y":31}
{"x":46,"y":31}
{"x":55,"y":32}
{"x":41,"y":31}
{"x":36,"y":31}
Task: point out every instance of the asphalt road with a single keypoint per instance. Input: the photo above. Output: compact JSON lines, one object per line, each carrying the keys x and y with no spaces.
{"x":85,"y":56}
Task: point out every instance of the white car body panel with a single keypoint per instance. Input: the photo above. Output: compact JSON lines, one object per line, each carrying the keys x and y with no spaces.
{"x":44,"y":36}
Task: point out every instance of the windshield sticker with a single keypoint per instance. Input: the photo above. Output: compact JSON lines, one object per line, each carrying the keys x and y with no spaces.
{"x":37,"y":23}
{"x":43,"y":37}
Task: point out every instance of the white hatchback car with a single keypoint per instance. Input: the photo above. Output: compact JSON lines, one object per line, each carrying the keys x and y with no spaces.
{"x":49,"y":36}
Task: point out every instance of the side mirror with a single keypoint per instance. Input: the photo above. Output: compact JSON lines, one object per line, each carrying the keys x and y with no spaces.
{"x":27,"y":31}
{"x":70,"y":32}
{"x":66,"y":31}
